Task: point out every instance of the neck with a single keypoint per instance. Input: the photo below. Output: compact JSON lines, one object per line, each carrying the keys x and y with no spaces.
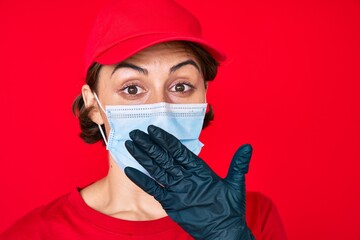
{"x":117,"y":196}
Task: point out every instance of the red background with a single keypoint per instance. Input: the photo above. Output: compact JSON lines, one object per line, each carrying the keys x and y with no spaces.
{"x":291,"y":89}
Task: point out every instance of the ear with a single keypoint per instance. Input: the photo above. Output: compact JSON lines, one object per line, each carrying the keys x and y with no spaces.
{"x":206,"y":89}
{"x":206,"y":85}
{"x":90,"y":102}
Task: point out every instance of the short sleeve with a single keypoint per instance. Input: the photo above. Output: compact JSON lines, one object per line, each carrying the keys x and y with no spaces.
{"x":263,"y":217}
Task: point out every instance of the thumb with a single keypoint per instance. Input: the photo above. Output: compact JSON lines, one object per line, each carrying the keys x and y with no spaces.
{"x":239,"y":166}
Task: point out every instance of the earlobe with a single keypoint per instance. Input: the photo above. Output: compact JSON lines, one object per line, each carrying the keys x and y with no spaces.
{"x":90,"y":102}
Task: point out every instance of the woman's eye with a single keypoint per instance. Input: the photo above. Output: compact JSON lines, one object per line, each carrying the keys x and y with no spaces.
{"x":181,"y":87}
{"x":132,"y":90}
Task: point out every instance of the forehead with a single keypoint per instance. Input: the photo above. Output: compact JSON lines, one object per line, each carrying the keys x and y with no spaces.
{"x":174,"y":50}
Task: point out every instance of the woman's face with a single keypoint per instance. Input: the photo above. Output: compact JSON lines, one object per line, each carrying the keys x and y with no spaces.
{"x":162,"y":73}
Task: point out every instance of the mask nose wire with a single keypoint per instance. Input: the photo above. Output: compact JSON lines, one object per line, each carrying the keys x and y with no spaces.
{"x":100,"y":128}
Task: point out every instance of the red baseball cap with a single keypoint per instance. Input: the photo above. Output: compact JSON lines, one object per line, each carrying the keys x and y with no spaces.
{"x":125,"y":27}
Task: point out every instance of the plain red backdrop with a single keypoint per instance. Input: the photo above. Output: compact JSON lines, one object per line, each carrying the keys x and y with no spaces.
{"x":290,"y":88}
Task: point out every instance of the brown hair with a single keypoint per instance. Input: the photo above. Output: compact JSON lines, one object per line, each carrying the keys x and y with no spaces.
{"x":90,"y":132}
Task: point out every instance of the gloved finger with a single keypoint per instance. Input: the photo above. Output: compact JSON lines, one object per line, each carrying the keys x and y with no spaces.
{"x":166,"y":176}
{"x":156,"y":171}
{"x":239,"y":167}
{"x":143,"y":141}
{"x":176,"y":149}
{"x":145,"y":183}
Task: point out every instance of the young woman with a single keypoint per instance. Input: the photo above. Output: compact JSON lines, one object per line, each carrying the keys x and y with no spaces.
{"x":147,"y":69}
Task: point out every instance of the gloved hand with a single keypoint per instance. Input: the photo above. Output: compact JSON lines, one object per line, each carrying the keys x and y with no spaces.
{"x":203,"y":204}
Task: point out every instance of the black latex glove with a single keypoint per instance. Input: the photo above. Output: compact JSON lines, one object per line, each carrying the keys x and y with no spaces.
{"x":203,"y":204}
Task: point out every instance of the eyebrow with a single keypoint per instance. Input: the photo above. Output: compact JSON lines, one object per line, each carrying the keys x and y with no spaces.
{"x":145,"y":71}
{"x":187,"y":62}
{"x":132,"y":66}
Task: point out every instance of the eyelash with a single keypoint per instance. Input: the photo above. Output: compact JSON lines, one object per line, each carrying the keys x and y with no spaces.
{"x":131,"y":85}
{"x":192,"y":87}
{"x":188,"y":84}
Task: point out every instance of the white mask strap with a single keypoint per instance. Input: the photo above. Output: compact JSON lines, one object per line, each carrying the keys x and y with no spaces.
{"x":100,"y":128}
{"x":98,"y":101}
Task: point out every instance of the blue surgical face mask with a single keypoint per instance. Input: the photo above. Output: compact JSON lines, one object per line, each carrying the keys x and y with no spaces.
{"x":184,"y":121}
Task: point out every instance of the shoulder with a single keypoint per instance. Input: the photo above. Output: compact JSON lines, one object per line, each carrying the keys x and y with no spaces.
{"x":263,"y":217}
{"x":36,"y":223}
{"x":257,"y":197}
{"x":258,"y":201}
{"x":258,"y":207}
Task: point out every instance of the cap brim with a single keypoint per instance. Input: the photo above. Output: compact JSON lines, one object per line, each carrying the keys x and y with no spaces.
{"x":125,"y":49}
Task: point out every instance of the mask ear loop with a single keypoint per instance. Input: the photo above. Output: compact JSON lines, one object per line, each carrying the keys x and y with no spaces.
{"x":100,"y":128}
